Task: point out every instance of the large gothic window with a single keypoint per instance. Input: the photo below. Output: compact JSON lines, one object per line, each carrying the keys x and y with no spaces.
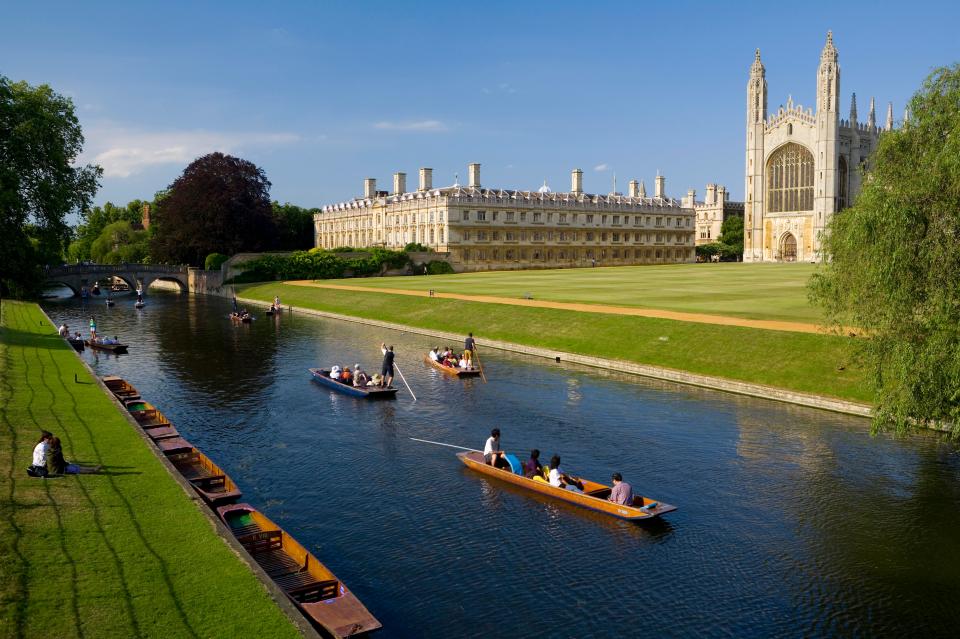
{"x":842,"y":184}
{"x":790,"y":179}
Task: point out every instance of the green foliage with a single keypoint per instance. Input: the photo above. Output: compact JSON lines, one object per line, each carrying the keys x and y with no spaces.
{"x":318,"y":265}
{"x":416,"y":247}
{"x":294,"y":226}
{"x":40,"y":140}
{"x":439,"y":267}
{"x":895,"y":263}
{"x":214,"y":261}
{"x":93,"y":222}
{"x":731,"y":237}
{"x":709,"y":250}
{"x":342,"y":249}
{"x":219,"y":204}
{"x":120,"y":243}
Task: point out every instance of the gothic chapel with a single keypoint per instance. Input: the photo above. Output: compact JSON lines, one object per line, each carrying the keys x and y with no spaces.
{"x":801,"y":165}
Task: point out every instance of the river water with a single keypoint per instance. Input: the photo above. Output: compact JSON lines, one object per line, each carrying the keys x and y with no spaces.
{"x":791,"y":521}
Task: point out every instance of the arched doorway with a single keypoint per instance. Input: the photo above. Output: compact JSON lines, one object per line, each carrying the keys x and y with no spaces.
{"x":788,"y":248}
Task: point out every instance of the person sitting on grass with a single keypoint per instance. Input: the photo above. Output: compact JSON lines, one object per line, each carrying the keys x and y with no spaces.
{"x":39,"y":466}
{"x":57,"y":465}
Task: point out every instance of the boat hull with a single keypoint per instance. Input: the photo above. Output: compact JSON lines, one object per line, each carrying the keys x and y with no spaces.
{"x":474,"y":461}
{"x":322,"y":377}
{"x":453,"y":372}
{"x":112,"y":348}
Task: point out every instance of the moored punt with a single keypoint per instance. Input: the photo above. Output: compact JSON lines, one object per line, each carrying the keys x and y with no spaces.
{"x":161,"y":432}
{"x":146,"y":414}
{"x":113,"y":348}
{"x":450,"y":370}
{"x":208,"y":479}
{"x":594,"y":495}
{"x":310,"y":585}
{"x":76,"y":343}
{"x":322,"y":377}
{"x":121,"y":388}
{"x":173,"y":445}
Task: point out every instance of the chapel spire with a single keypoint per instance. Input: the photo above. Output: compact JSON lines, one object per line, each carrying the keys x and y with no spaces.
{"x":872,"y":118}
{"x":889,"y":126}
{"x":828,"y":78}
{"x":757,"y":91}
{"x":853,"y":109}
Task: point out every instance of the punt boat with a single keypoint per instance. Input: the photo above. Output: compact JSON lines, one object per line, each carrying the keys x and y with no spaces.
{"x":121,"y":388}
{"x":113,"y":348}
{"x":208,"y":479}
{"x":76,"y":343}
{"x":322,"y":377}
{"x":594,"y":495}
{"x":146,"y":414}
{"x":450,"y":370}
{"x":310,"y":585}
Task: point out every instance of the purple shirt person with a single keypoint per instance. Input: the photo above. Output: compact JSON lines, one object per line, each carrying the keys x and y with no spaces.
{"x":622,"y":493}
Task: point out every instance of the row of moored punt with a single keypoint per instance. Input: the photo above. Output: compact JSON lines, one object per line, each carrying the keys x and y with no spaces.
{"x":310,"y":585}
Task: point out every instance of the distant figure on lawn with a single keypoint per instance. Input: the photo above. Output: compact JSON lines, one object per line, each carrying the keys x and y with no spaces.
{"x":57,"y":465}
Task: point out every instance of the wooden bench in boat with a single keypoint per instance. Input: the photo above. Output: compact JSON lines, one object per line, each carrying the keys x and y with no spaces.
{"x":266,"y":547}
{"x":210,"y":481}
{"x":162,"y":432}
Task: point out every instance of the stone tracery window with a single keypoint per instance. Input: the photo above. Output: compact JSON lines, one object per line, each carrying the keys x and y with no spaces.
{"x":842,"y":184}
{"x":790,"y":179}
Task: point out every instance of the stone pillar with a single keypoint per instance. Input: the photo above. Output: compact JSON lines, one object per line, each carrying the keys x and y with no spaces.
{"x":473,"y":174}
{"x":576,"y":181}
{"x":399,"y":183}
{"x":370,"y":188}
{"x":426,"y":179}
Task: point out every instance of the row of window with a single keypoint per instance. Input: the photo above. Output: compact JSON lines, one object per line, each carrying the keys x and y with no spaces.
{"x":549,"y":255}
{"x":482,"y":235}
{"x":574,"y":218}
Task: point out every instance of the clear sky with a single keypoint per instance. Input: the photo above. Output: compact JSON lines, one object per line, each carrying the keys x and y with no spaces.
{"x":323,"y":94}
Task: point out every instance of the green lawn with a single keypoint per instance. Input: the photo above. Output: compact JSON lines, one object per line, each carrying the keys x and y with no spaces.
{"x":756,"y":291}
{"x":122,"y":554}
{"x":798,"y":361}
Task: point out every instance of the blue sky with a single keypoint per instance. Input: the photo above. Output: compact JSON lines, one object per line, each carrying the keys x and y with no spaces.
{"x":323,"y":94}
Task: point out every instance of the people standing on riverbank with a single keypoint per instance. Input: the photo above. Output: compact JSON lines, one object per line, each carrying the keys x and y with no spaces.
{"x":386,"y":370}
{"x":64,"y":330}
{"x":57,"y":465}
{"x":622,"y":492}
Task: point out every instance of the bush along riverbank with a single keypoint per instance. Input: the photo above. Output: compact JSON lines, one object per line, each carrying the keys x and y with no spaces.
{"x":801,"y":362}
{"x":122,"y":553}
{"x":319,"y":264}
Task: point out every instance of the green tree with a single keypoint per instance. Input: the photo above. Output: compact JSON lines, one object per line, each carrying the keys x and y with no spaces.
{"x":95,"y":220}
{"x":894,"y":271}
{"x":731,"y":237}
{"x":120,"y":243}
{"x":40,"y":139}
{"x":220,"y":204}
{"x":294,"y":226}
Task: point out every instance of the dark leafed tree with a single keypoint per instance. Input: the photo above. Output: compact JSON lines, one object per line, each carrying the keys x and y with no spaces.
{"x":40,"y":139}
{"x":894,"y":270}
{"x":220,"y":204}
{"x":294,"y":226}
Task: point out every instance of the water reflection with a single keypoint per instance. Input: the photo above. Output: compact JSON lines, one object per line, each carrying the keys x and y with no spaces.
{"x":790,"y":522}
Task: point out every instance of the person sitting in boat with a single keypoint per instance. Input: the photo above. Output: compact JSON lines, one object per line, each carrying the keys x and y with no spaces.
{"x":335,"y":372}
{"x":140,"y":293}
{"x":78,"y":336}
{"x":622,"y":492}
{"x":360,"y":378}
{"x":375,"y":380}
{"x":492,"y":454}
{"x":346,"y":377}
{"x":531,"y":467}
{"x":435,"y":354}
{"x":276,"y":303}
{"x":64,"y":331}
{"x":560,"y":479}
{"x":463,"y":363}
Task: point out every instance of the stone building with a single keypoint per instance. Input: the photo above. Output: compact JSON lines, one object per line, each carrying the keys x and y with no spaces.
{"x":801,"y":166}
{"x":485,"y":228}
{"x":712,"y":212}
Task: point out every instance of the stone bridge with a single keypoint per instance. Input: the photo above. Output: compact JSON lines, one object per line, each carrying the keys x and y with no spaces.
{"x":80,"y":275}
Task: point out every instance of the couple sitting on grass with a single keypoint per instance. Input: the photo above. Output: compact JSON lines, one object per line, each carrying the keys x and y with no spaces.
{"x":48,"y":459}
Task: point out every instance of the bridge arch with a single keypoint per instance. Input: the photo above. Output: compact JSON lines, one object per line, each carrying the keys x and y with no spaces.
{"x":77,"y":276}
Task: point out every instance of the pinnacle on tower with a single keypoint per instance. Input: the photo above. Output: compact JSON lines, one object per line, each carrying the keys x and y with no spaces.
{"x":853,"y":109}
{"x":889,"y":126}
{"x":757,"y":67}
{"x":872,"y":118}
{"x":829,"y":51}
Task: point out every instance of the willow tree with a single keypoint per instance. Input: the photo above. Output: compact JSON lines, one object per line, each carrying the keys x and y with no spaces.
{"x":894,"y":268}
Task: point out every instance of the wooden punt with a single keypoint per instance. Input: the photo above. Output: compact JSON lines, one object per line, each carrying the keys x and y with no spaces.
{"x":146,"y":414}
{"x":449,"y":370}
{"x":208,"y":479}
{"x":310,"y":585}
{"x":594,"y":495}
{"x":113,"y":348}
{"x":173,"y":445}
{"x":322,"y":377}
{"x":76,"y":343}
{"x":121,"y":388}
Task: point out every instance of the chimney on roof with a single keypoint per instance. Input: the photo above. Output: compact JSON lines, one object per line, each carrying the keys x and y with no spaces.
{"x":473,"y":175}
{"x":370,"y":188}
{"x":576,"y":181}
{"x":399,"y":183}
{"x":711,"y":197}
{"x":722,"y":194}
{"x":145,"y":216}
{"x":658,"y":186}
{"x":634,"y":189}
{"x":426,"y":179}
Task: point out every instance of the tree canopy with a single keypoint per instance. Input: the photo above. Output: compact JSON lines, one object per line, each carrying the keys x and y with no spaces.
{"x":894,"y":271}
{"x":294,"y":226}
{"x":731,"y":236}
{"x":120,"y":243}
{"x":40,"y":140}
{"x":219,"y":204}
{"x":93,"y":222}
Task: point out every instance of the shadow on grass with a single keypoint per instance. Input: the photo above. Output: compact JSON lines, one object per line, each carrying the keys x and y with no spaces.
{"x":49,"y":339}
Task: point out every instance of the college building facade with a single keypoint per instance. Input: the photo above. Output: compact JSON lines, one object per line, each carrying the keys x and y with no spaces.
{"x":501,"y":229}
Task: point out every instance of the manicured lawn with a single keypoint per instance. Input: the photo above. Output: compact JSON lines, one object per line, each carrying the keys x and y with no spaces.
{"x":797,"y":361}
{"x":756,"y":291}
{"x":125,"y":553}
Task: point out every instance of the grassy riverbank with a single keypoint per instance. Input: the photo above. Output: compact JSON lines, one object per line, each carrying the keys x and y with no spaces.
{"x":803,"y":362}
{"x":753,"y":291}
{"x":121,"y":554}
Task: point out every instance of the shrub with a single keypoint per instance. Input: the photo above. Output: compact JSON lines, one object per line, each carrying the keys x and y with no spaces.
{"x":439,"y":267}
{"x":317,"y":265}
{"x":214,"y":261}
{"x":416,"y":247}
